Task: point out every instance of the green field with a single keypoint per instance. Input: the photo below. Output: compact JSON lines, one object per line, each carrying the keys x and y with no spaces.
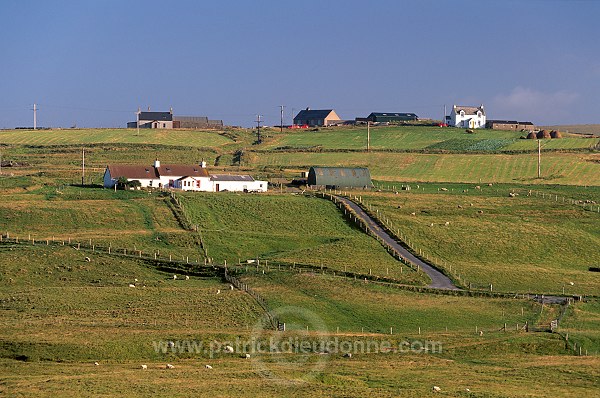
{"x":61,"y":313}
{"x":516,"y":244}
{"x":557,"y":168}
{"x":418,"y":138}
{"x":289,"y":229}
{"x":190,"y":138}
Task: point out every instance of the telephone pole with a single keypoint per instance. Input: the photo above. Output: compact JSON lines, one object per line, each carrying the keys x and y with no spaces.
{"x":82,"y":167}
{"x":368,"y":136}
{"x":258,"y":121}
{"x":539,"y":158}
{"x":281,"y":125}
{"x":35,"y":109}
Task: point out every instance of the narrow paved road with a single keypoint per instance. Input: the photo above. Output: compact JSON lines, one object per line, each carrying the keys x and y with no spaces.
{"x":438,"y":280}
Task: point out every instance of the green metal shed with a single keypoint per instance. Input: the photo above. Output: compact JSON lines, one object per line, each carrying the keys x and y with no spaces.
{"x":339,"y":177}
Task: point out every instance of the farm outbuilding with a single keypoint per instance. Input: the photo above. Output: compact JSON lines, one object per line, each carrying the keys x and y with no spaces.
{"x":339,"y":177}
{"x":381,"y":117}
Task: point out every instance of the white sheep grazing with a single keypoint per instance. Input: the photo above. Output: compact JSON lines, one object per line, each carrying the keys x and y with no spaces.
{"x":174,"y":277}
{"x":187,"y":278}
{"x":208,"y":366}
{"x":169,"y":366}
{"x":431,"y":225}
{"x":481,"y":332}
{"x":96,"y":363}
{"x":135,"y":280}
{"x":436,"y":389}
{"x":131,"y":285}
{"x":218,"y":291}
{"x":228,"y":348}
{"x":88,"y":259}
{"x":348,"y":355}
{"x":477,"y":187}
{"x":247,"y":356}
{"x":145,"y":367}
{"x":231,"y":287}
{"x":571,"y":283}
{"x":447,"y":223}
{"x":413,"y":214}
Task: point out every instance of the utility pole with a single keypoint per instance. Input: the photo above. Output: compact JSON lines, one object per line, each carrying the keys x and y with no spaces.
{"x":82,"y":166}
{"x":281,"y":125}
{"x":368,"y":136}
{"x":258,"y":121}
{"x":539,"y":158}
{"x":138,"y":120}
{"x":35,"y":116}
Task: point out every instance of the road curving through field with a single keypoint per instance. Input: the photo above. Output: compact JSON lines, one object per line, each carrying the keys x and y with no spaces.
{"x":438,"y":279}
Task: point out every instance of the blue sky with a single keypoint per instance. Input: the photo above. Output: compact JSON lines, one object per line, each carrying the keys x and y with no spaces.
{"x":93,"y":63}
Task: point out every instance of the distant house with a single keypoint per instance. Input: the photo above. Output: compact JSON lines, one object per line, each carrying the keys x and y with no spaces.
{"x":472,"y":117}
{"x":509,"y":125}
{"x":166,"y":120}
{"x":339,"y":177}
{"x":183,"y":177}
{"x":381,"y":117}
{"x":317,"y":117}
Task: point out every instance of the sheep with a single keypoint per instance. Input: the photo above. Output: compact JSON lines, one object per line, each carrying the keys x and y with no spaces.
{"x":135,"y":280}
{"x":447,"y":223}
{"x":436,"y":389}
{"x":480,"y":211}
{"x":174,"y":277}
{"x":144,"y":367}
{"x":246,"y":356}
{"x":413,"y":214}
{"x":460,"y":207}
{"x":208,"y":366}
{"x":481,"y":333}
{"x":187,"y":278}
{"x":231,"y":287}
{"x":490,"y":184}
{"x":169,"y":366}
{"x":131,"y":285}
{"x":431,"y":225}
{"x":96,"y":364}
{"x":170,"y":344}
{"x":444,"y":189}
{"x":88,"y":259}
{"x":228,"y":348}
{"x":571,"y":283}
{"x":218,"y":291}
{"x":471,"y":204}
{"x":477,"y":187}
{"x":348,"y":355}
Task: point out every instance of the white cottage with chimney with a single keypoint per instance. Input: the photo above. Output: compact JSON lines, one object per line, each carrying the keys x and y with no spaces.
{"x":471,"y":117}
{"x":183,"y":177}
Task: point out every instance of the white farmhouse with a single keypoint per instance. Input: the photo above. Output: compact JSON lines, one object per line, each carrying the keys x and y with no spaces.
{"x":183,"y":177}
{"x":472,"y":117}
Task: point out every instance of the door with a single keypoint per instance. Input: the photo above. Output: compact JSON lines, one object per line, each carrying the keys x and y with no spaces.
{"x":217,"y":187}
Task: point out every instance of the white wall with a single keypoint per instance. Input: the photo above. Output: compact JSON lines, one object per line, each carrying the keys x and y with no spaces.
{"x":239,"y":186}
{"x":461,"y":121}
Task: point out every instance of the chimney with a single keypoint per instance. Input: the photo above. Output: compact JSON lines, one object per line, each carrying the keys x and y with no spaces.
{"x":171,"y":110}
{"x":308,"y":108}
{"x":157,"y":163}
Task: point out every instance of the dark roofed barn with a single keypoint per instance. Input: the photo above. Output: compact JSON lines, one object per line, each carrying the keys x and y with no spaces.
{"x":381,"y":117}
{"x":339,"y":177}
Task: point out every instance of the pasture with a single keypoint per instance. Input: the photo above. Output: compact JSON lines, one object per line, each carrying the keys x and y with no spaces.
{"x":519,"y":244}
{"x":418,"y":138}
{"x":61,"y":313}
{"x":557,"y":168}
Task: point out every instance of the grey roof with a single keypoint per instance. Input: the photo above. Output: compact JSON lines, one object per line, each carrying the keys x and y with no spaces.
{"x":197,"y":119}
{"x":469,"y":110}
{"x":230,"y":177}
{"x":392,"y":114}
{"x":503,"y":121}
{"x":313,"y":114}
{"x":359,"y":177}
{"x":158,"y":116}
